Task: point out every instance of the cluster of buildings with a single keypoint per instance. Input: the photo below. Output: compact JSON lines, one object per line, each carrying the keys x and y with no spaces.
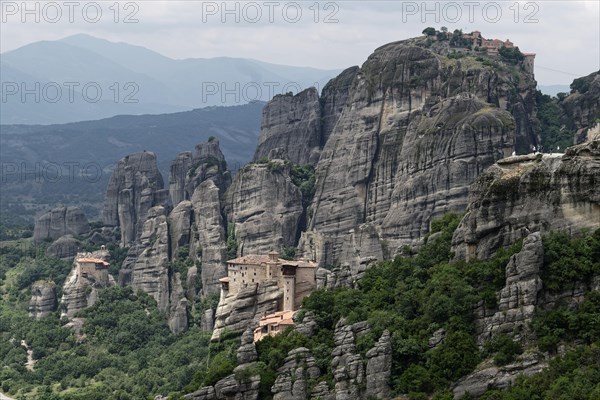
{"x":296,"y":280}
{"x":492,"y":46}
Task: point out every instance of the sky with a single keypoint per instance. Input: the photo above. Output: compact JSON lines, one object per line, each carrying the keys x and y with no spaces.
{"x":565,"y":35}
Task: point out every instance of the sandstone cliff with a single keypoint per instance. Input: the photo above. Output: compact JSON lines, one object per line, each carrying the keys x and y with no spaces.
{"x":134,"y":187}
{"x":265,"y":208}
{"x":59,"y":222}
{"x":519,"y":195}
{"x":43,"y":299}
{"x":80,"y":290}
{"x":582,"y":108}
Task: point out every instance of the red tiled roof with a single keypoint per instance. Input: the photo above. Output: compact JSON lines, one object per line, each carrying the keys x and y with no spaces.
{"x":92,"y":260}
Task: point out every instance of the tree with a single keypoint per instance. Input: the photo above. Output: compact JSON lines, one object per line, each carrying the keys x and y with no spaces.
{"x":429,"y":31}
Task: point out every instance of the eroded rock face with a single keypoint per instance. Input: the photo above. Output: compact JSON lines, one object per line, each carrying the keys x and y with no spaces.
{"x":414,"y":131}
{"x":246,"y":308}
{"x":582,"y":108}
{"x":265,"y":208}
{"x":150,"y":271}
{"x":134,"y":187}
{"x":59,"y":222}
{"x":518,"y":299}
{"x":66,"y":247}
{"x":178,"y":318}
{"x":291,"y":128}
{"x":43,"y":299}
{"x":347,"y":366}
{"x":212,"y":238}
{"x":180,"y":224}
{"x":80,"y":289}
{"x":495,"y":377}
{"x":292,"y":377}
{"x":379,"y":368}
{"x":519,"y":196}
{"x":177,"y":179}
{"x":235,"y":386}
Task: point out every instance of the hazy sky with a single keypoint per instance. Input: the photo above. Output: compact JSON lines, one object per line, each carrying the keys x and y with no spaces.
{"x":324,"y":34}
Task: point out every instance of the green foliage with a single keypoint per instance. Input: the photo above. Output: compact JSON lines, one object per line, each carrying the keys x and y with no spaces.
{"x":565,"y":325}
{"x":511,"y":54}
{"x":288,"y":253}
{"x":429,"y":31}
{"x":123,"y":321}
{"x":13,"y":226}
{"x":569,"y":261}
{"x":551,"y":129}
{"x":42,"y":268}
{"x":581,"y":85}
{"x":504,"y":349}
{"x":232,"y":244}
{"x":303,"y":176}
{"x":574,"y":376}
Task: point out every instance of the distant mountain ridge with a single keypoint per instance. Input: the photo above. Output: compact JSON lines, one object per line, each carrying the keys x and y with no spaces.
{"x":31,"y":154}
{"x":64,"y":79}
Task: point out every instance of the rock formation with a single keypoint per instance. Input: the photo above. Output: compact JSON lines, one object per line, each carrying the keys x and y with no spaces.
{"x":265,"y":208}
{"x":291,"y":128}
{"x":292,"y":377}
{"x":134,"y":187}
{"x":520,"y":195}
{"x":65,"y":247}
{"x":581,"y":109}
{"x":211,"y":241}
{"x":150,"y":272}
{"x":246,"y":308}
{"x":59,"y":222}
{"x":43,"y":299}
{"x":237,"y":386}
{"x":80,"y":289}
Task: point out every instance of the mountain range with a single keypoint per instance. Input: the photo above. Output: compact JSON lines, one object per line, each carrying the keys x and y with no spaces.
{"x":82,"y":77}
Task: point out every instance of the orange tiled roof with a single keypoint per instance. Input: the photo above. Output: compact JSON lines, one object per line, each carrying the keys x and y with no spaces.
{"x":254,"y":259}
{"x":92,"y":260}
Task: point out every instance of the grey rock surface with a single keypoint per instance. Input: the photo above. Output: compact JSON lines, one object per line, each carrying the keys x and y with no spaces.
{"x":291,"y":128}
{"x":238,"y":312}
{"x":65,"y":247}
{"x":265,"y":208}
{"x":134,"y":187}
{"x":43,"y":299}
{"x":514,"y":198}
{"x":59,"y":222}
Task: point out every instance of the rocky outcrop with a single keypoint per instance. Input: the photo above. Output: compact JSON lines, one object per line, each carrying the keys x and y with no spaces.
{"x":347,"y":366}
{"x":518,"y":299}
{"x":150,"y":271}
{"x":292,"y":377}
{"x":581,"y":109}
{"x":415,"y":130}
{"x":134,"y":187}
{"x":291,"y":128}
{"x":494,"y":377}
{"x":80,"y":289}
{"x":66,"y":247}
{"x":265,"y":208}
{"x":211,"y":236}
{"x":180,"y":225}
{"x":240,"y":385}
{"x":59,"y":222}
{"x":379,"y":368}
{"x":516,"y":197}
{"x":180,"y":168}
{"x":178,"y":318}
{"x":208,"y":163}
{"x":43,"y":299}
{"x":246,"y":308}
